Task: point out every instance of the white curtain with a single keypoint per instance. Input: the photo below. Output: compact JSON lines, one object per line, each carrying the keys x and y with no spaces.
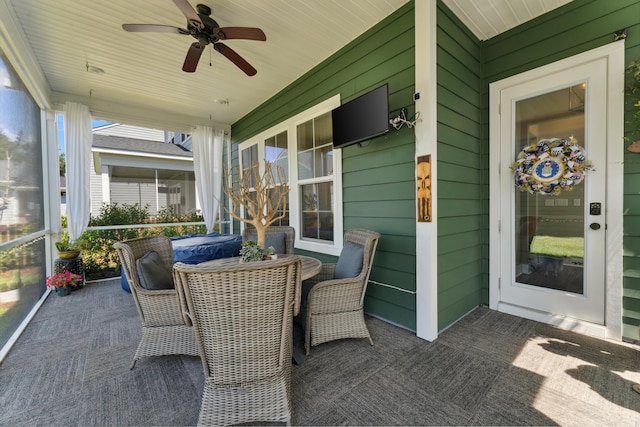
{"x":78,"y":140}
{"x":207,"y":165}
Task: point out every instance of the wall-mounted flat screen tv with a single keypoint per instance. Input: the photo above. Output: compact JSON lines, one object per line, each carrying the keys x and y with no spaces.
{"x":361,"y":118}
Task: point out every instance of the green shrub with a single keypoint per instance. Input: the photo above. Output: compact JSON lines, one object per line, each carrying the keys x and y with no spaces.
{"x":16,"y":281}
{"x":116,"y":214}
{"x":632,"y":92}
{"x":167,"y":215}
{"x":11,"y":281}
{"x":99,"y":256}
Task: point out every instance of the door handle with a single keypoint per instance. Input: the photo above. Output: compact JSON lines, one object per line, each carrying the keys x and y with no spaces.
{"x":594,"y":226}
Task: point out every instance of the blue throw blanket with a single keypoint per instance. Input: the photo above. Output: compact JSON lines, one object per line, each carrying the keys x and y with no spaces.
{"x":198,"y":248}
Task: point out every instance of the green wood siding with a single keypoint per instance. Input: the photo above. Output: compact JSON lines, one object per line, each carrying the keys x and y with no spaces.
{"x":575,"y":28}
{"x":462,"y":183}
{"x":378,"y":176}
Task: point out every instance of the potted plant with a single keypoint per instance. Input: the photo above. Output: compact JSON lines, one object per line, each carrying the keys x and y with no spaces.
{"x":251,"y":252}
{"x":271,"y":253}
{"x":66,"y":249}
{"x":63,"y":282}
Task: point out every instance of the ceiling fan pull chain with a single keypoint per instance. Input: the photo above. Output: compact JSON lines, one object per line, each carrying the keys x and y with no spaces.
{"x":210,"y":50}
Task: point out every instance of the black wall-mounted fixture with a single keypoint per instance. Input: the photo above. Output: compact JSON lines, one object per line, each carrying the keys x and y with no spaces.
{"x":620,"y":35}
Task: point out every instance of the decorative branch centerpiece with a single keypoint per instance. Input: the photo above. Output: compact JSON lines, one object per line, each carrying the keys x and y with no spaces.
{"x":262,"y":196}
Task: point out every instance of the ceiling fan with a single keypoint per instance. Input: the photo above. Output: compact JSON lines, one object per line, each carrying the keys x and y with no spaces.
{"x":206,"y":31}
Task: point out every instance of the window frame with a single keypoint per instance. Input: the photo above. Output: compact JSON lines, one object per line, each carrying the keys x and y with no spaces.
{"x":295,"y":215}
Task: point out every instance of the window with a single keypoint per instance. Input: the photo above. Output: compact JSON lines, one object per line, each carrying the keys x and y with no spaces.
{"x":301,"y":149}
{"x":276,"y":152}
{"x":249,"y":162}
{"x":315,"y":177}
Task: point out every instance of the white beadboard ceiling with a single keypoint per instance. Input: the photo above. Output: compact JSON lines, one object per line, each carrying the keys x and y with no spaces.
{"x":488,"y":18}
{"x":143,"y":83}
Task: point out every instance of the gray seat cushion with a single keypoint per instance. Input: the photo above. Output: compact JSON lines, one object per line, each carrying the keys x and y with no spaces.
{"x":350,"y":262}
{"x":277,"y":240}
{"x":152,"y":272}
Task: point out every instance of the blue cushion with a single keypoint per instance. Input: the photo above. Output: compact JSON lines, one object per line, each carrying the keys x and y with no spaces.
{"x":152,"y":272}
{"x":350,"y":261}
{"x":277,"y":240}
{"x":197,"y":248}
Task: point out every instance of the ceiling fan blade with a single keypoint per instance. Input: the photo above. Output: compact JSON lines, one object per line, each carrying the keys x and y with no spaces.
{"x":246,"y":33}
{"x":151,"y":28}
{"x":188,"y":11}
{"x":192,"y":58}
{"x":235,"y":58}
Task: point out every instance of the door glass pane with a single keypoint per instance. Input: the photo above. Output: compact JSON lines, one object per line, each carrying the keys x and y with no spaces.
{"x":549,"y":228}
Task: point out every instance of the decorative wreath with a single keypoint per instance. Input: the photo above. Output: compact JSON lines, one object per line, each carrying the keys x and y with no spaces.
{"x":550,"y":166}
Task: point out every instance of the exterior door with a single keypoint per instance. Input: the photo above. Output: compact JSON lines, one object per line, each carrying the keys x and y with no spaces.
{"x":552,"y":209}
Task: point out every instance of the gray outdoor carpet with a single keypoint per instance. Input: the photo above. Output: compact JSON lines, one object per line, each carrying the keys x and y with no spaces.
{"x":71,"y":367}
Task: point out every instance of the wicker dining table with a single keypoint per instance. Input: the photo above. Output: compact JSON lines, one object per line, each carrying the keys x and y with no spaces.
{"x":310,"y":266}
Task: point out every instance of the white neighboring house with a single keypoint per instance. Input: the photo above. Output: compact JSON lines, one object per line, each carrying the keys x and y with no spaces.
{"x":138,"y":165}
{"x":18,"y":195}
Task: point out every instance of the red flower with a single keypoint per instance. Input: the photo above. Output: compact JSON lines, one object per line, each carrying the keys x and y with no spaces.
{"x":62,"y":280}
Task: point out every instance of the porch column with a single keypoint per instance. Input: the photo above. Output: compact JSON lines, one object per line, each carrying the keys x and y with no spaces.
{"x":426,"y":143}
{"x":106,"y":187}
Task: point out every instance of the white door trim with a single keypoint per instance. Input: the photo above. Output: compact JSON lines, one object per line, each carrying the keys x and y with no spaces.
{"x":614,"y":54}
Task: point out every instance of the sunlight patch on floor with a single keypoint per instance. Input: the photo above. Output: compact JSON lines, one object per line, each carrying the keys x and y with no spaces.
{"x":568,"y":369}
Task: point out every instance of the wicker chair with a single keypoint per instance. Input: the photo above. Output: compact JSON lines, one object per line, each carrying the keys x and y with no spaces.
{"x":243,"y":318}
{"x":334,"y":307}
{"x":289,"y":235}
{"x":165,"y":329}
